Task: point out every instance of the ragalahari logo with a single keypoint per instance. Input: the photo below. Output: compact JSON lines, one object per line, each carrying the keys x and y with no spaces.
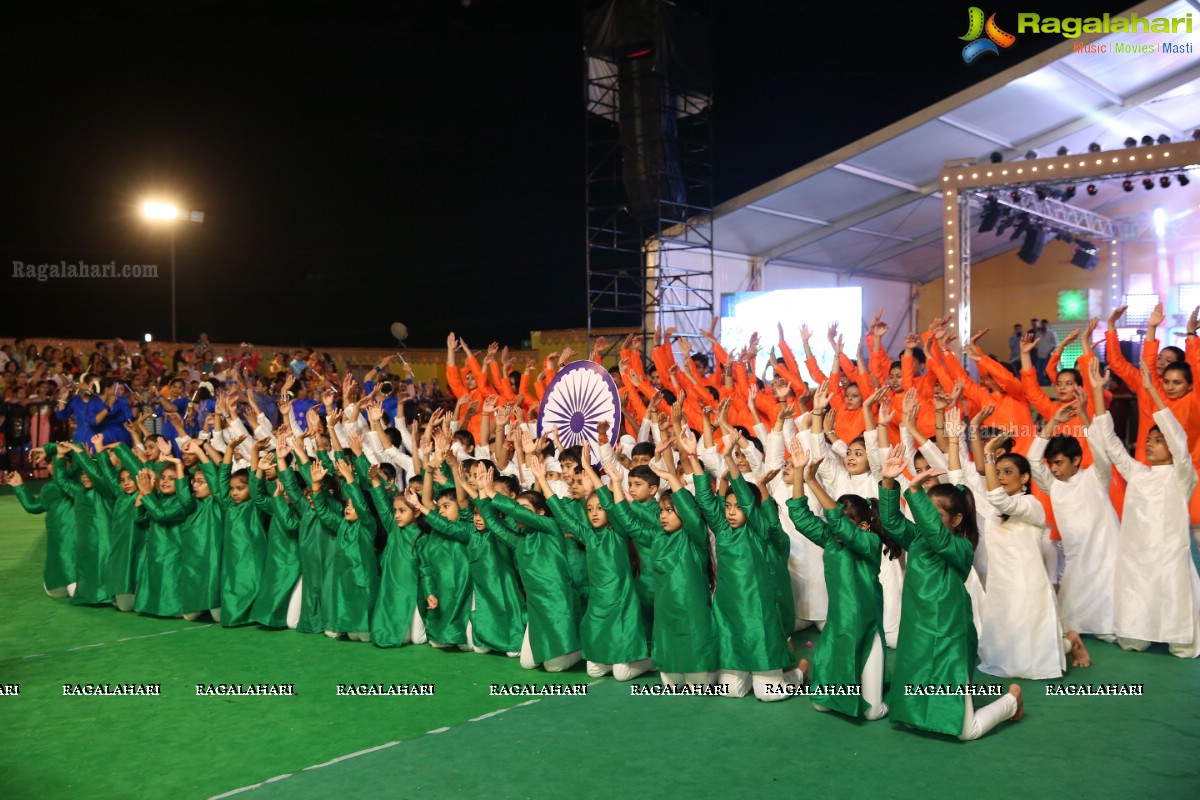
{"x":976,"y":28}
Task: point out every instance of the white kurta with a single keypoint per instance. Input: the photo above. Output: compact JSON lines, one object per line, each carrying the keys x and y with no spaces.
{"x":1088,"y":525}
{"x":806,"y":565}
{"x":1156,"y":590}
{"x":1022,"y":634}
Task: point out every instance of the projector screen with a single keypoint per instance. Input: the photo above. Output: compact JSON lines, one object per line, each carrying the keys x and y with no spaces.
{"x":746,"y":312}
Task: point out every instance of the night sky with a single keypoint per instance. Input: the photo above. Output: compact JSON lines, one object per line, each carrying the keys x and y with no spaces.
{"x":362,"y":163}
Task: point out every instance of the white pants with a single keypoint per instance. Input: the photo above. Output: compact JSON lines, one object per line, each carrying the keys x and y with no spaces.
{"x":1051,"y":552}
{"x":689,"y":678}
{"x":871,"y":682}
{"x":557,"y":664}
{"x":740,"y":684}
{"x":620,"y":672}
{"x":1181,"y":650}
{"x":416,"y":630}
{"x":977,"y":723}
{"x":295,"y":604}
{"x":58,"y":592}
{"x":123,"y":602}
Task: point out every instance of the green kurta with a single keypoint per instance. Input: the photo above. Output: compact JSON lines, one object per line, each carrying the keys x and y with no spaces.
{"x":552,"y":603}
{"x":354,"y":567}
{"x":647,"y":579}
{"x":938,"y":644}
{"x":93,"y":534}
{"x":404,"y":571}
{"x":612,"y":630}
{"x":684,"y":632}
{"x":852,"y":558}
{"x":200,"y":558}
{"x":498,"y":618}
{"x":243,"y":552}
{"x":745,"y":607}
{"x":158,"y":584}
{"x":59,"y":571}
{"x":315,"y":550}
{"x":127,"y":534}
{"x":281,"y":569}
{"x":451,"y":568}
{"x":775,"y":547}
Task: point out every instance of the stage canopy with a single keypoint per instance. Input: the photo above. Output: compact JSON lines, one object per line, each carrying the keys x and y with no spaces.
{"x":870,"y":212}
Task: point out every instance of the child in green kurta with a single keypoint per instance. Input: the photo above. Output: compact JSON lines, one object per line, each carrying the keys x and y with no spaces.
{"x":243,"y":541}
{"x":128,"y":532}
{"x":446,"y":625}
{"x":58,"y":575}
{"x":278,"y":601}
{"x":313,"y":538}
{"x":753,"y":653}
{"x":93,"y":525}
{"x":938,"y":646}
{"x":848,"y":663}
{"x":355,"y":567}
{"x":684,"y":634}
{"x":497,"y":620}
{"x":165,"y":502}
{"x":201,"y":541}
{"x":612,"y":631}
{"x":552,"y":602}
{"x":398,"y":618}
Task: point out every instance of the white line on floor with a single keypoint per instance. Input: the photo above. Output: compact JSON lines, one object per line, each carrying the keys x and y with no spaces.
{"x":373,"y":749}
{"x":118,"y":641}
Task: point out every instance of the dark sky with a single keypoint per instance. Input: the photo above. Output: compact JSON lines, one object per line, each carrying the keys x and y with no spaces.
{"x":361,"y":163}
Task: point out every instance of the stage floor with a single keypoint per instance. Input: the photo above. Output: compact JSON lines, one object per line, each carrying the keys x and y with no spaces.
{"x":463,"y":741}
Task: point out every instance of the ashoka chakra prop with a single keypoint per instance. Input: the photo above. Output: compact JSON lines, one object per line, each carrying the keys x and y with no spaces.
{"x":581,"y":395}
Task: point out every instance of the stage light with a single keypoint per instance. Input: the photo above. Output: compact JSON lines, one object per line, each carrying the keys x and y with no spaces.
{"x":1093,"y":148}
{"x":1069,"y":193}
{"x":1091,"y":190}
{"x":1164,"y":139}
{"x":1127,"y":185}
{"x":1184,"y":180}
{"x":991,"y":214}
{"x":149,"y":338}
{"x":1040,"y":191}
{"x":1031,"y":154}
{"x":1130,"y":141}
{"x":1014,"y":195}
{"x":1147,"y":140}
{"x":996,"y":157}
{"x":1160,"y":223}
{"x":1087,"y":256}
{"x":1147,"y":184}
{"x":1062,"y":151}
{"x":1165,"y":181}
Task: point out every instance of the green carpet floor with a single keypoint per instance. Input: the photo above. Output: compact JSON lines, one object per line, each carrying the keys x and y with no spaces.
{"x":608,"y":743}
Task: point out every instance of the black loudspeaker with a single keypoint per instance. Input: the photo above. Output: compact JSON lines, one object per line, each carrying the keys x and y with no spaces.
{"x":1035,"y":242}
{"x":1087,"y":255}
{"x":649,"y":138}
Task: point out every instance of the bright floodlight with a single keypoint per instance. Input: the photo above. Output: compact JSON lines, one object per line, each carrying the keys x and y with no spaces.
{"x":149,"y":338}
{"x":1160,"y":222}
{"x":160,"y":211}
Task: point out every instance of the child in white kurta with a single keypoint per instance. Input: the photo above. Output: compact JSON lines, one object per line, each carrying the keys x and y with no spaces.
{"x":1022,"y":633}
{"x":1087,"y":523}
{"x":1156,"y":588}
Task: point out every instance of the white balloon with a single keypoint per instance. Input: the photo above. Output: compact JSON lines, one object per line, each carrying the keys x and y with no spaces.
{"x":400,"y":331}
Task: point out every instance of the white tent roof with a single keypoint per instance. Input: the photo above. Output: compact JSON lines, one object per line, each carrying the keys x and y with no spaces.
{"x":873,"y":209}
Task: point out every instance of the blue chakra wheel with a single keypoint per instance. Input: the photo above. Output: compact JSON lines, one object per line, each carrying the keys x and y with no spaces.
{"x":581,"y":395}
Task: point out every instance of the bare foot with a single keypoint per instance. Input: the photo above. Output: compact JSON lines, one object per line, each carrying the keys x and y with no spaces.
{"x":1079,"y":653}
{"x":803,"y":667}
{"x":1015,"y":691}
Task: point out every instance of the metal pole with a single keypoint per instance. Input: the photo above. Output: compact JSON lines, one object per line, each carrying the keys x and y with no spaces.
{"x":174,"y":338}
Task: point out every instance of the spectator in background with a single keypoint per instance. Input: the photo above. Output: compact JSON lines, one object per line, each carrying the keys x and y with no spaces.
{"x":1047,"y":341}
{"x":1014,"y":349}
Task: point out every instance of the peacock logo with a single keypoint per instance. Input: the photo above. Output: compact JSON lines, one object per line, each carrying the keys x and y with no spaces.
{"x":976,"y":27}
